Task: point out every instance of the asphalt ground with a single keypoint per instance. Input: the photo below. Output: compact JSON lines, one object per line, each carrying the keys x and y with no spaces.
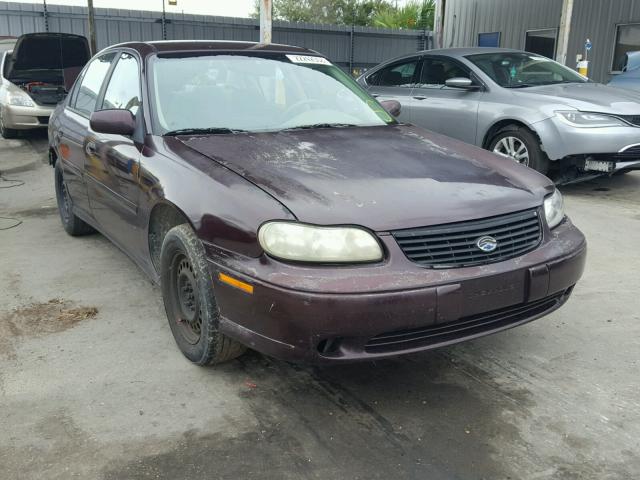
{"x":93,"y":387}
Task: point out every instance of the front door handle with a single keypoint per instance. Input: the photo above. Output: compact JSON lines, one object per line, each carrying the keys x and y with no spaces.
{"x":375,"y":95}
{"x":90,"y":148}
{"x":420,"y":97}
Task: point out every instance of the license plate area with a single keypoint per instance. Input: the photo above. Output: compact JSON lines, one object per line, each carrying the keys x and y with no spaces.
{"x":599,"y":166}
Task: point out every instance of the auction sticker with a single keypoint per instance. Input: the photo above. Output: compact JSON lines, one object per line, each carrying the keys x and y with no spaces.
{"x":308,"y":59}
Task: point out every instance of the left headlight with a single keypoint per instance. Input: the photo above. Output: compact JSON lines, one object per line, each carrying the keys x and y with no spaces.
{"x":19,"y":99}
{"x":309,"y":243}
{"x":554,"y":209}
{"x":590,"y":120}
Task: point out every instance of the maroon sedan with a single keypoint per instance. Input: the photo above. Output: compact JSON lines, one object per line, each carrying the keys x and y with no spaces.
{"x":282,"y":208}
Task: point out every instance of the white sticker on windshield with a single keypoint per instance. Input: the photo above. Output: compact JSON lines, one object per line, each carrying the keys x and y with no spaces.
{"x":308,"y":59}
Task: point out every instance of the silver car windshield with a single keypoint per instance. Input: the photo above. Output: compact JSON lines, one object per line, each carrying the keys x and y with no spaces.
{"x":231,"y":93}
{"x":521,"y":70}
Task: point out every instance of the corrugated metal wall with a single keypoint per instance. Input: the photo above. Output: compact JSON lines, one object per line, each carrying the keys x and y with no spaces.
{"x":464,"y":19}
{"x":364,"y":47}
{"x":592,"y":19}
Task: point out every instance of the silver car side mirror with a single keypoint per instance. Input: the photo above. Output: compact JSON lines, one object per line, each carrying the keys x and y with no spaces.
{"x":460,"y":82}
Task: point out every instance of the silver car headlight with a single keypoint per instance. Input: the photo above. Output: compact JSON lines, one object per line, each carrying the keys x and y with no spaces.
{"x":590,"y":120}
{"x":309,"y":243}
{"x":19,"y":99}
{"x":554,"y":209}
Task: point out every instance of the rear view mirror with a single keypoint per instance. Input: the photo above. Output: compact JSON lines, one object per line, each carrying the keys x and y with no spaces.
{"x":392,"y":106}
{"x":115,"y":122}
{"x":460,"y":82}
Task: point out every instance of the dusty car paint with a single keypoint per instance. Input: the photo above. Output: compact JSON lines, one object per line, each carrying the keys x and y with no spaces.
{"x":382,"y":178}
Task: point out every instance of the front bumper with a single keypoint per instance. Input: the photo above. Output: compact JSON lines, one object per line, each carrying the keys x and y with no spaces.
{"x":560,"y":140}
{"x":333,"y":315}
{"x":24,"y":118}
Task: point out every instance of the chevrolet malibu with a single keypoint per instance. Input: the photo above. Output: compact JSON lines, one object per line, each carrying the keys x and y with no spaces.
{"x":282,"y":208}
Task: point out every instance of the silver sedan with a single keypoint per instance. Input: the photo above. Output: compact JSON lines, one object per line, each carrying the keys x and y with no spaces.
{"x":517,"y":104}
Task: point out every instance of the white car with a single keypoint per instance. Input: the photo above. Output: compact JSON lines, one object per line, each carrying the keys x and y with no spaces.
{"x":36,"y":71}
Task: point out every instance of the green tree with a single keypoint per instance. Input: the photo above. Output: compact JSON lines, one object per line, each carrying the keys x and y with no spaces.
{"x":381,"y":13}
{"x":412,"y":15}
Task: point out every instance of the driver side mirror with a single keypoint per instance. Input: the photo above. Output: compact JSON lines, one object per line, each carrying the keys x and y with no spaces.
{"x":115,"y":122}
{"x":393,"y":107}
{"x":461,"y":82}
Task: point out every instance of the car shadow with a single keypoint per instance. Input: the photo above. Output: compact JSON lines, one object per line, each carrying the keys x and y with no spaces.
{"x":620,"y":185}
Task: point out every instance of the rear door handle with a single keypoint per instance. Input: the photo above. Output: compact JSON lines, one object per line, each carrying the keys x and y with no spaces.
{"x":420,"y":97}
{"x":375,"y":95}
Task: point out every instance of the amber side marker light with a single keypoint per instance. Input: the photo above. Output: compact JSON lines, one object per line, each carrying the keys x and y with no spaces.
{"x":234,"y":282}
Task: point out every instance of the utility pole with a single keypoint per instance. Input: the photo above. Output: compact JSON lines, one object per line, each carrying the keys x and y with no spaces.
{"x":438,"y":20}
{"x":92,"y":27}
{"x":164,"y":23}
{"x":266,"y":9}
{"x":565,"y":31}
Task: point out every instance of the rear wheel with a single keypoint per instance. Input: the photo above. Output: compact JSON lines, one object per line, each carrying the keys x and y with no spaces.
{"x":71,"y":223}
{"x":189,"y":300}
{"x":521,"y":145}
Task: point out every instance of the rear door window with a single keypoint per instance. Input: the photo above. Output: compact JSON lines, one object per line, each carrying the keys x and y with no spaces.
{"x":89,"y":88}
{"x":123,"y":91}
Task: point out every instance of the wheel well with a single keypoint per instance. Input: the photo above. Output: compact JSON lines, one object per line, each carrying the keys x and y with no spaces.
{"x":495,"y":128}
{"x":163,"y":218}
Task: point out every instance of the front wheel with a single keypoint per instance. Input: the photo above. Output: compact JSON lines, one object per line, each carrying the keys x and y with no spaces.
{"x":7,"y":132}
{"x":189,"y":300}
{"x":71,"y":223}
{"x":521,"y":145}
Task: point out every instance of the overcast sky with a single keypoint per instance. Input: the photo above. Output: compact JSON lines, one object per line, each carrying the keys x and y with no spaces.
{"x":227,"y":8}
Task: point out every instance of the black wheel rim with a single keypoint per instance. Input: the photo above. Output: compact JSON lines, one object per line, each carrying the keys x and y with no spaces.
{"x":186,"y":301}
{"x":65,"y":201}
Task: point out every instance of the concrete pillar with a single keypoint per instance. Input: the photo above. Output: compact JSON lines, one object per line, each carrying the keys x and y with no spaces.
{"x":564,"y":32}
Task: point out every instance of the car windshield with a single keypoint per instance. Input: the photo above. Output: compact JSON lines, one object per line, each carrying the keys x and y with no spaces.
{"x":520,"y":69}
{"x":232,"y":93}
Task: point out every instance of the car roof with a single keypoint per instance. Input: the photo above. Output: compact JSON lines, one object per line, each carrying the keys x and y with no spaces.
{"x":462,"y":52}
{"x":161,"y":46}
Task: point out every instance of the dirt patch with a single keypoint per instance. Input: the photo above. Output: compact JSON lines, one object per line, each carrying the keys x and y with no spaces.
{"x":37,"y":319}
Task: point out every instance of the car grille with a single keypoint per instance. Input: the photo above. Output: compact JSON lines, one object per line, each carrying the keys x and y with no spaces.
{"x":631,"y":153}
{"x":465,"y":327}
{"x":454,"y":244}
{"x":633,"y":119}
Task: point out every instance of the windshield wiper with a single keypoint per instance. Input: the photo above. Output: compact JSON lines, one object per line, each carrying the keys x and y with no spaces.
{"x":202,"y":131}
{"x":321,"y":125}
{"x":522,"y":85}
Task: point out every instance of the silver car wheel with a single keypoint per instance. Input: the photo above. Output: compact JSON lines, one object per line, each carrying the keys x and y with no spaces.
{"x":514,"y":148}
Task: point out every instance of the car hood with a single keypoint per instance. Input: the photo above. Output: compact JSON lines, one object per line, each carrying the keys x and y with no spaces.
{"x":48,"y":51}
{"x":384,"y":178}
{"x":591,"y":97}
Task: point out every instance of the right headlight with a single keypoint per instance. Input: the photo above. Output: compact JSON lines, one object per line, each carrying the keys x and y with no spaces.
{"x":310,"y":243}
{"x":554,"y":209}
{"x":19,"y":99}
{"x":590,"y":120}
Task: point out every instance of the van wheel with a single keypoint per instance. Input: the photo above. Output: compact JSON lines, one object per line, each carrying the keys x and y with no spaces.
{"x":522,"y":145}
{"x":71,"y":223}
{"x":189,"y":300}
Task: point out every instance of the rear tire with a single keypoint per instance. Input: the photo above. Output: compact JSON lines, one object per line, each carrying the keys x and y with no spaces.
{"x":520,"y":145}
{"x":189,"y":300}
{"x":71,"y":223}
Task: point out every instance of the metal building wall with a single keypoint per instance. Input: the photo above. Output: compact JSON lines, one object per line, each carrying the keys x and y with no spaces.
{"x":592,"y":19}
{"x":597,"y":20}
{"x":360,"y":47}
{"x":465,"y":19}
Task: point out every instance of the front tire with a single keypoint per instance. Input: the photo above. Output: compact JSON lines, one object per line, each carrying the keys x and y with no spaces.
{"x":71,"y":223}
{"x":5,"y":132}
{"x":521,"y":145}
{"x":189,"y":300}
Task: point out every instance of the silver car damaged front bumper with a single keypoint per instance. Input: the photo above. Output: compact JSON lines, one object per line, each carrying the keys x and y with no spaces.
{"x":604,"y":150}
